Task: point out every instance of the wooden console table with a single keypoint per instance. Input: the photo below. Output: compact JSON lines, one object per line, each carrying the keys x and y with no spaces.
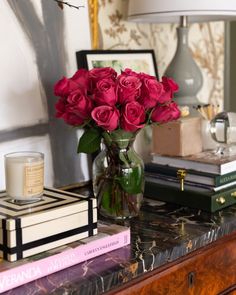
{"x":209,"y":270}
{"x":174,"y":251}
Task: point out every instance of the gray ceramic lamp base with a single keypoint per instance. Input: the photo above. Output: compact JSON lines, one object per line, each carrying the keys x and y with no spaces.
{"x":185,"y":71}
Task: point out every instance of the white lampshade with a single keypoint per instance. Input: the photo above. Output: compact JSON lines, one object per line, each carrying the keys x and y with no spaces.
{"x":166,"y":11}
{"x":182,"y":67}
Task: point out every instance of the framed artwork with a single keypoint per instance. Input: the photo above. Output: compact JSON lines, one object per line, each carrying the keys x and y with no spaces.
{"x":137,"y":60}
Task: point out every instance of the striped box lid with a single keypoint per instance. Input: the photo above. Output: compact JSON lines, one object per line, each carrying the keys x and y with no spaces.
{"x":59,"y":216}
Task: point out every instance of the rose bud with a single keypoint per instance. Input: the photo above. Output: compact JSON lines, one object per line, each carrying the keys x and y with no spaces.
{"x":106,"y":117}
{"x":151,"y":92}
{"x":60,"y":107}
{"x":81,"y":77}
{"x":128,"y":88}
{"x":165,"y":113}
{"x":105,"y":93}
{"x":129,"y":72}
{"x":72,"y":119}
{"x":133,"y":116}
{"x":64,"y":87}
{"x":98,"y":74}
{"x":170,"y":87}
{"x":80,"y":104}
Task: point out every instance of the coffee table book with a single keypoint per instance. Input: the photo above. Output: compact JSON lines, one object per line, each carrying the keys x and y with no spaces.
{"x":208,"y":201}
{"x":110,"y":237}
{"x":171,"y":181}
{"x":206,"y":161}
{"x":191,"y":175}
{"x":58,"y":219}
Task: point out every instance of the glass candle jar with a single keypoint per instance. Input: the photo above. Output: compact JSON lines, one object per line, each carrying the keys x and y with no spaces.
{"x":24,"y":172}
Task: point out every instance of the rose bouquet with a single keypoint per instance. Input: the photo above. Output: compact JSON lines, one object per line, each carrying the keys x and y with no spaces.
{"x":114,"y":108}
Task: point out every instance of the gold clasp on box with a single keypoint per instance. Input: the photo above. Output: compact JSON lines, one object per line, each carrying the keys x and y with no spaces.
{"x":220,"y":200}
{"x":233,"y":194}
{"x":181,"y":173}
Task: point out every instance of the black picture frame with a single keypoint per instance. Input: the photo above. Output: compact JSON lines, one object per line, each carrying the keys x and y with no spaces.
{"x":138,"y":60}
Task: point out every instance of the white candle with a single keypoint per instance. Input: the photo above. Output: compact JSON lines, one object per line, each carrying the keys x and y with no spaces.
{"x":24,"y":173}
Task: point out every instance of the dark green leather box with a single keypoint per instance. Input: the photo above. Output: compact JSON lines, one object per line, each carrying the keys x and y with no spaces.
{"x":209,"y":201}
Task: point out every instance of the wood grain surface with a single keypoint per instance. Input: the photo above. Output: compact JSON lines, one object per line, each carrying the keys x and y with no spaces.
{"x":211,"y":270}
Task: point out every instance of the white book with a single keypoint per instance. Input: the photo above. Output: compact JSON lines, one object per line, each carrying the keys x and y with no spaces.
{"x":206,"y":161}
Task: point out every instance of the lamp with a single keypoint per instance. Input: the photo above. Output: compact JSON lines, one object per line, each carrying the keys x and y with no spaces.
{"x":182,"y":68}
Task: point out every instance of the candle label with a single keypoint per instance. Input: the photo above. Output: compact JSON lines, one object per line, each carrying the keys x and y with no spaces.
{"x":33,"y":179}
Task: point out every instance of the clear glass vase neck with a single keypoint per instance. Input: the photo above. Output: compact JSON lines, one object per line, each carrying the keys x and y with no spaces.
{"x":121,"y":140}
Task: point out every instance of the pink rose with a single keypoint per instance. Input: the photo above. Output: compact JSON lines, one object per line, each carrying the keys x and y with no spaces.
{"x":170,"y":84}
{"x":98,"y":74}
{"x":64,"y":86}
{"x":72,"y":119}
{"x":81,"y":77}
{"x":170,"y":87}
{"x":60,"y":107}
{"x":165,"y":113}
{"x":128,"y":88}
{"x":106,"y":117}
{"x":133,"y":116}
{"x":151,"y":91}
{"x":105,"y":93}
{"x":165,"y":97}
{"x":80,"y":104}
{"x":145,"y":76}
{"x":129,"y":72}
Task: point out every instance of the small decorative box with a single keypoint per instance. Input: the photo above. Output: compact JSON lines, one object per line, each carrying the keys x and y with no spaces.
{"x":59,"y":218}
{"x":178,"y":138}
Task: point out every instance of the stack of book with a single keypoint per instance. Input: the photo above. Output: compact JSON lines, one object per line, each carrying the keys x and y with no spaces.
{"x":205,"y":180}
{"x":57,"y":232}
{"x":110,"y":237}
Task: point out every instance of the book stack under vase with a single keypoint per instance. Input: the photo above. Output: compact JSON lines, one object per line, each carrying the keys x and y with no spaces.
{"x":205,"y":180}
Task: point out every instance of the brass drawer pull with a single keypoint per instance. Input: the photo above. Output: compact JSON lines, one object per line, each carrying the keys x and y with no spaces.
{"x":220,"y":200}
{"x":181,"y":173}
{"x":233,"y":194}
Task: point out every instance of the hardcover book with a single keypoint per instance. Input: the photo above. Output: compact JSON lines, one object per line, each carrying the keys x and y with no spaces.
{"x":191,"y":175}
{"x":206,"y":161}
{"x":208,"y":201}
{"x":172,"y":181}
{"x":110,"y":237}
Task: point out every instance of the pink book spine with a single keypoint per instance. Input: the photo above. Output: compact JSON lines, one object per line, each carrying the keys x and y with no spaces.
{"x":31,"y":271}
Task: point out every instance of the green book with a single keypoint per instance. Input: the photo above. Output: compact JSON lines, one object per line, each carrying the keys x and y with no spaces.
{"x":194,"y":176}
{"x":205,"y":200}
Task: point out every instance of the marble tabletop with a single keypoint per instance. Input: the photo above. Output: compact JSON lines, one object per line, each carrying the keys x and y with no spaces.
{"x":162,"y":233}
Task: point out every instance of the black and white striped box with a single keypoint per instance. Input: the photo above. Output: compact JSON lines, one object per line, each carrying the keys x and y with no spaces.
{"x":59,"y":218}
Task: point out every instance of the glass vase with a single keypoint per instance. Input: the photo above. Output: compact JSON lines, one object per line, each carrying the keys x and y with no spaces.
{"x":118,"y":177}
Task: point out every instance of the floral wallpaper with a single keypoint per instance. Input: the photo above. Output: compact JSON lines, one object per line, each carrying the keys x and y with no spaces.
{"x":206,"y":42}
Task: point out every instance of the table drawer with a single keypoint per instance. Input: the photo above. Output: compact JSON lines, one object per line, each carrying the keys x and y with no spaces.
{"x":207,"y":271}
